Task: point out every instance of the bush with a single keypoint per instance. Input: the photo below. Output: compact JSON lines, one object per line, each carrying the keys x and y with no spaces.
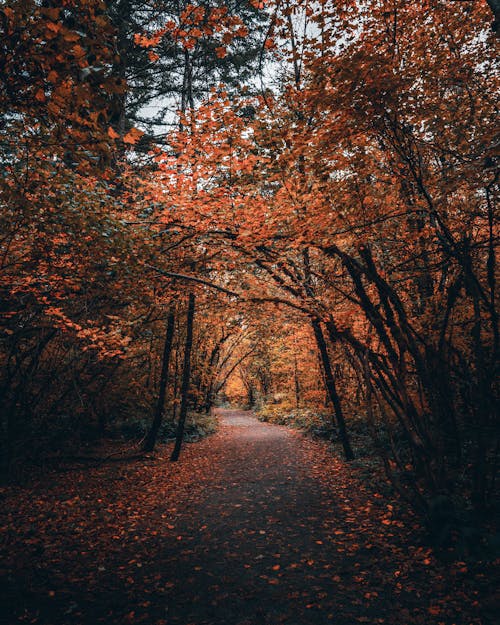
{"x":197,"y":426}
{"x":314,"y":422}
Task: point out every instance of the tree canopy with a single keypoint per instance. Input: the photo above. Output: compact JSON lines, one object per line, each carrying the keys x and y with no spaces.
{"x":286,"y":204}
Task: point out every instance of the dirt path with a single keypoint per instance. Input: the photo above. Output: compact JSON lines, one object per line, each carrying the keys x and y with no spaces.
{"x":258,"y":539}
{"x":254,"y":526}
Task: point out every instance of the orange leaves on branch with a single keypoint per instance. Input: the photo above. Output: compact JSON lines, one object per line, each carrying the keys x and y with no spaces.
{"x":80,"y":54}
{"x":9,"y":13}
{"x":192,"y":14}
{"x":149,"y":41}
{"x":195,"y":23}
{"x":53,"y":28}
{"x":71,"y":36}
{"x":133,"y":136}
{"x":259,"y":4}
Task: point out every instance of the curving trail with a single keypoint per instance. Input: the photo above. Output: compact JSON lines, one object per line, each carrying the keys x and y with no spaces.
{"x":253,"y":526}
{"x":258,"y":541}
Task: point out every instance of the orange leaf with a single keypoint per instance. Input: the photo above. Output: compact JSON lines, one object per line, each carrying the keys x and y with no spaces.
{"x":78,"y":51}
{"x":133,"y":136}
{"x":53,"y":27}
{"x":71,"y":36}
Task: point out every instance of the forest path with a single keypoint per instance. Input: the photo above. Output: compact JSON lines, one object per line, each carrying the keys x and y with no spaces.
{"x":260,"y":536}
{"x":255,"y":525}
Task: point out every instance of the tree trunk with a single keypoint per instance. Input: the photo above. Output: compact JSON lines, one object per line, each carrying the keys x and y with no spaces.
{"x":150,"y":440}
{"x":297,"y":382}
{"x":332,"y":389}
{"x":186,"y":374}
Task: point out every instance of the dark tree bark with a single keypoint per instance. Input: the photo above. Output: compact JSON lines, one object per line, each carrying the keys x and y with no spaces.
{"x":150,"y":440}
{"x":332,"y":389}
{"x":297,"y":381}
{"x":186,"y":374}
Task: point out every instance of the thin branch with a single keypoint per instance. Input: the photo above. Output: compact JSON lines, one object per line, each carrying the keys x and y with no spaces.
{"x":182,"y":276}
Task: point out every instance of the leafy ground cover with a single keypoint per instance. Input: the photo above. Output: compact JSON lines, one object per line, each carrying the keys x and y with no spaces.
{"x":256,"y":524}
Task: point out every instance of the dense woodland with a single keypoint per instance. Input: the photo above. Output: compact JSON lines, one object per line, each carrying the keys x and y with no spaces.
{"x":213,"y":212}
{"x":283,"y":205}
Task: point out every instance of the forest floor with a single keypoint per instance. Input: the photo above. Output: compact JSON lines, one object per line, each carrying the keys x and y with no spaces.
{"x":255,"y":525}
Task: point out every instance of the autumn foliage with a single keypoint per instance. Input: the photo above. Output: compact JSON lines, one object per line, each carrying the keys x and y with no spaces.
{"x":218,"y":212}
{"x":326,"y":243}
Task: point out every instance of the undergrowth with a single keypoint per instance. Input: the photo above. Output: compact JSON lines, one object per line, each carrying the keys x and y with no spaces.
{"x":198,"y":425}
